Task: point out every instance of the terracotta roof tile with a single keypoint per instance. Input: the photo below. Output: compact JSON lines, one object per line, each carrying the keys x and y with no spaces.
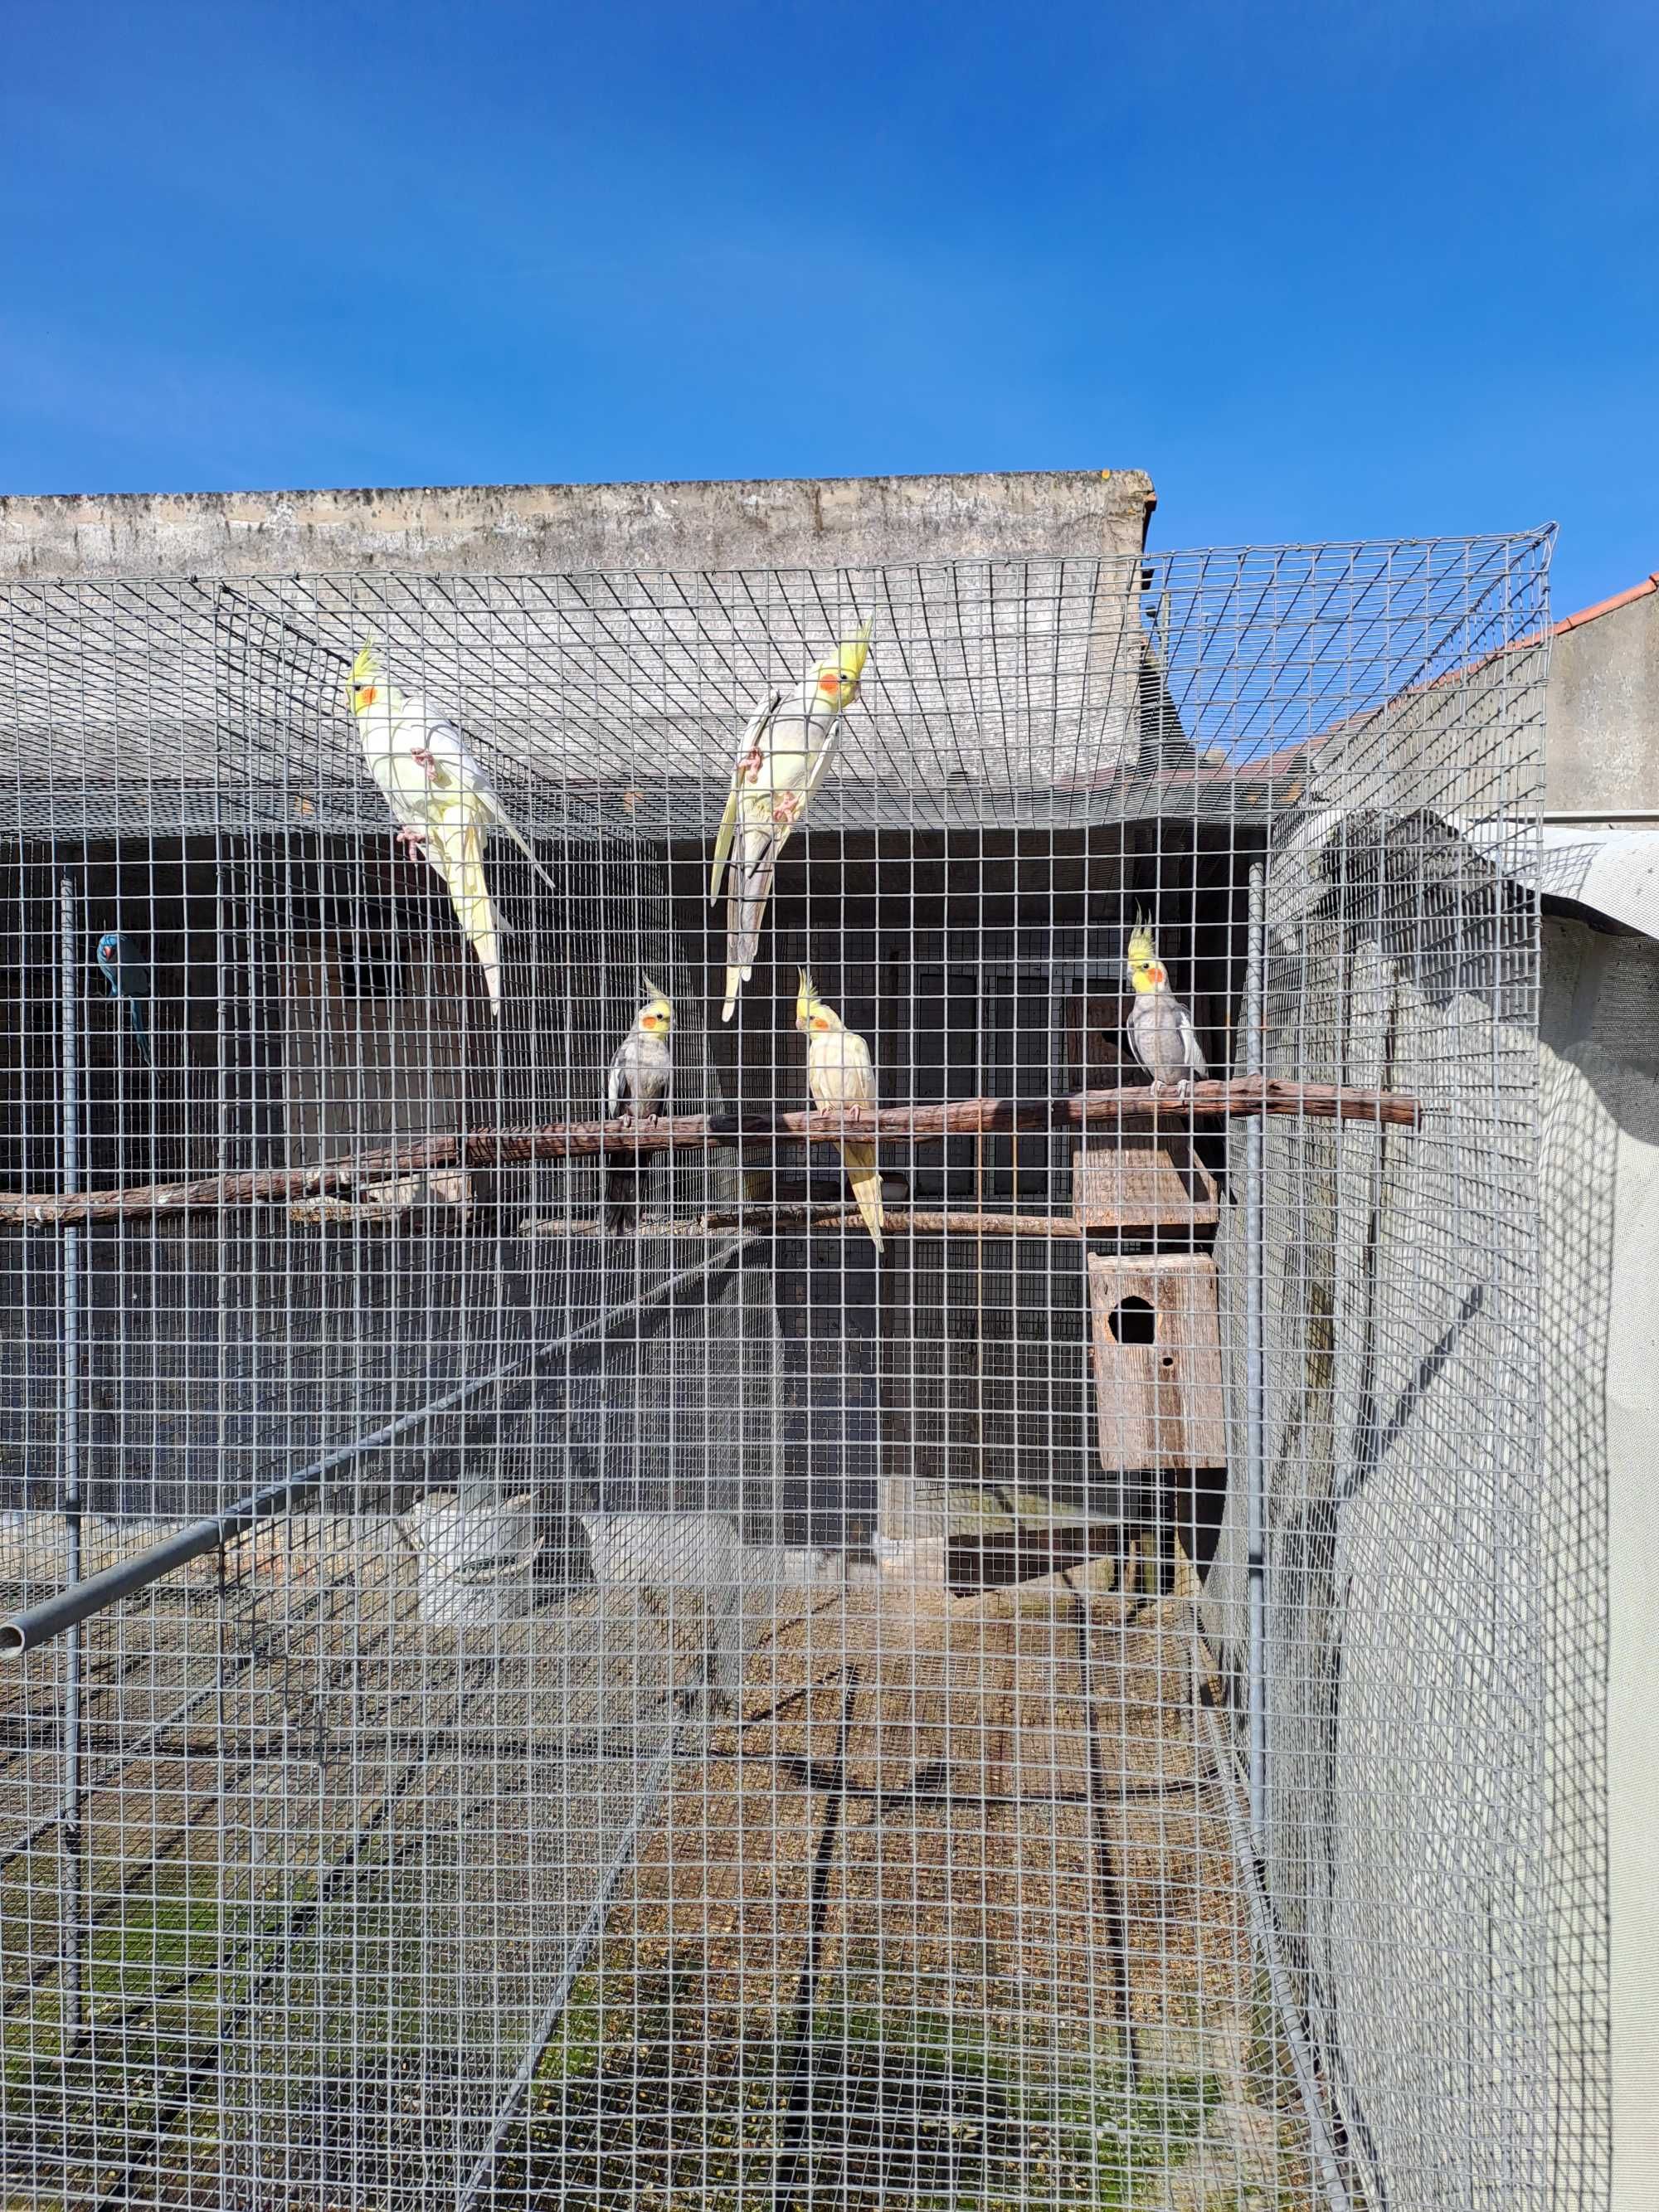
{"x":1606,"y":606}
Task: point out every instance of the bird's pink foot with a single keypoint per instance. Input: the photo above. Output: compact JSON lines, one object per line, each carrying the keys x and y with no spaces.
{"x":786,"y":807}
{"x":422,"y":759}
{"x":751,"y":763}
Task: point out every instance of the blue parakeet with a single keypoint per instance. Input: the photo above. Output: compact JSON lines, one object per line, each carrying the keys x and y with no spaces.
{"x":126,"y":971}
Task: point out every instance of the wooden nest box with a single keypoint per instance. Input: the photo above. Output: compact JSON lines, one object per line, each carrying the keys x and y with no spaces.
{"x":1156,"y":1322}
{"x":1157,"y":1360}
{"x":1141,"y":1184}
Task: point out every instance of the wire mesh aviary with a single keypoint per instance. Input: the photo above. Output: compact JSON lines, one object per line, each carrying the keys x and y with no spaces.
{"x":770,"y":1355}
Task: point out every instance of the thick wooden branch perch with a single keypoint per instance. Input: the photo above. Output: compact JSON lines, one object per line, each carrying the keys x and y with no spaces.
{"x":1132,"y":1106}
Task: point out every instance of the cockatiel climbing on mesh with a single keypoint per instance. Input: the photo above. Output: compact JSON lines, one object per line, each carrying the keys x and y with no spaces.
{"x":444,"y":803}
{"x":786,"y":750}
{"x":1159,"y":1028}
{"x":636,"y":1089}
{"x":839,"y":1072}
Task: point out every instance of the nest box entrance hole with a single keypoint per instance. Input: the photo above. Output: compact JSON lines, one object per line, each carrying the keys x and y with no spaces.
{"x":1134,"y":1321}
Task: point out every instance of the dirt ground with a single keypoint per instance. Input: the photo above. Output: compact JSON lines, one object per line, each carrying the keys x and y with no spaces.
{"x":949,"y":1916}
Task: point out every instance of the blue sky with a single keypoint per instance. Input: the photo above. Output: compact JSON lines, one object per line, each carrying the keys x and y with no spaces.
{"x":1325,"y":271}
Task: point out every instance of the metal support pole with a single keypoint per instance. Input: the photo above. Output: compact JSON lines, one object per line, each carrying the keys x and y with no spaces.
{"x":72,"y":1885}
{"x":1292,"y":2024}
{"x":58,"y":1615}
{"x":1255,"y":1373}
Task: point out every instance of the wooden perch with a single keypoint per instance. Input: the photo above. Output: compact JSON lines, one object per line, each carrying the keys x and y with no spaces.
{"x":1133,"y":1105}
{"x":902,"y":1221}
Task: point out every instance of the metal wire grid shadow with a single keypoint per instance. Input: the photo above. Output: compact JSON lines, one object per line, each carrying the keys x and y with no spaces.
{"x":921,"y":1596}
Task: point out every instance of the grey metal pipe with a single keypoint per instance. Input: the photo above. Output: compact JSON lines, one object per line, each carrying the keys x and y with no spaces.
{"x":1255,"y":1373}
{"x":1600,"y":814}
{"x":39,"y":1624}
{"x":1265,"y":1930}
{"x":68,"y":1444}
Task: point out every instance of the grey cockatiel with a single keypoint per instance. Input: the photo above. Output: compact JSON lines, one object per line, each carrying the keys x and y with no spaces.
{"x":1159,"y":1028}
{"x":786,"y":750}
{"x":637,"y":1084}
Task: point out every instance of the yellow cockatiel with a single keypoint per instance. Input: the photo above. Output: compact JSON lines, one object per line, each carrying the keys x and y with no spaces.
{"x":786,"y":750}
{"x":841,"y":1072}
{"x":444,"y":802}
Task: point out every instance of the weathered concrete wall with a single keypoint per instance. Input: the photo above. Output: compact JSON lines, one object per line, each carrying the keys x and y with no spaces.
{"x":1599,"y":1536}
{"x":1602,"y":743}
{"x":847,"y":521}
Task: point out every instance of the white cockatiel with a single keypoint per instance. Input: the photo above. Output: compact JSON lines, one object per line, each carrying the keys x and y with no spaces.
{"x":841,"y":1072}
{"x":444,"y":803}
{"x":786,"y":750}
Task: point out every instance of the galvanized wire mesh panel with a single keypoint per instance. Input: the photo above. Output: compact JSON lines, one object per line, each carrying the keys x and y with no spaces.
{"x":564,"y":1657}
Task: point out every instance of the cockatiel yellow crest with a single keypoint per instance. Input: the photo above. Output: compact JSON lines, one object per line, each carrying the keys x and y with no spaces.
{"x":1142,"y":951}
{"x":839,"y":1072}
{"x":444,"y":803}
{"x":786,"y":750}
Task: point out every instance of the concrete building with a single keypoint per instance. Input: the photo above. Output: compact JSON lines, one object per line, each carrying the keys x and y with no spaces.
{"x":1603,"y":719}
{"x":545,"y":529}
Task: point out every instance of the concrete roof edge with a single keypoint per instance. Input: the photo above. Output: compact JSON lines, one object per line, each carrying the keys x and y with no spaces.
{"x":1136,"y":482}
{"x":1611,"y":874}
{"x":763,"y":523}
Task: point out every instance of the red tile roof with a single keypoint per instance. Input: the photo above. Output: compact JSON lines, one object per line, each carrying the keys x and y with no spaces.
{"x":1605,"y":607}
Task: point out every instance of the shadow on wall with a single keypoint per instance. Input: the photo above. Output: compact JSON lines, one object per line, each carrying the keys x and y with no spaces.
{"x":1447,"y":920}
